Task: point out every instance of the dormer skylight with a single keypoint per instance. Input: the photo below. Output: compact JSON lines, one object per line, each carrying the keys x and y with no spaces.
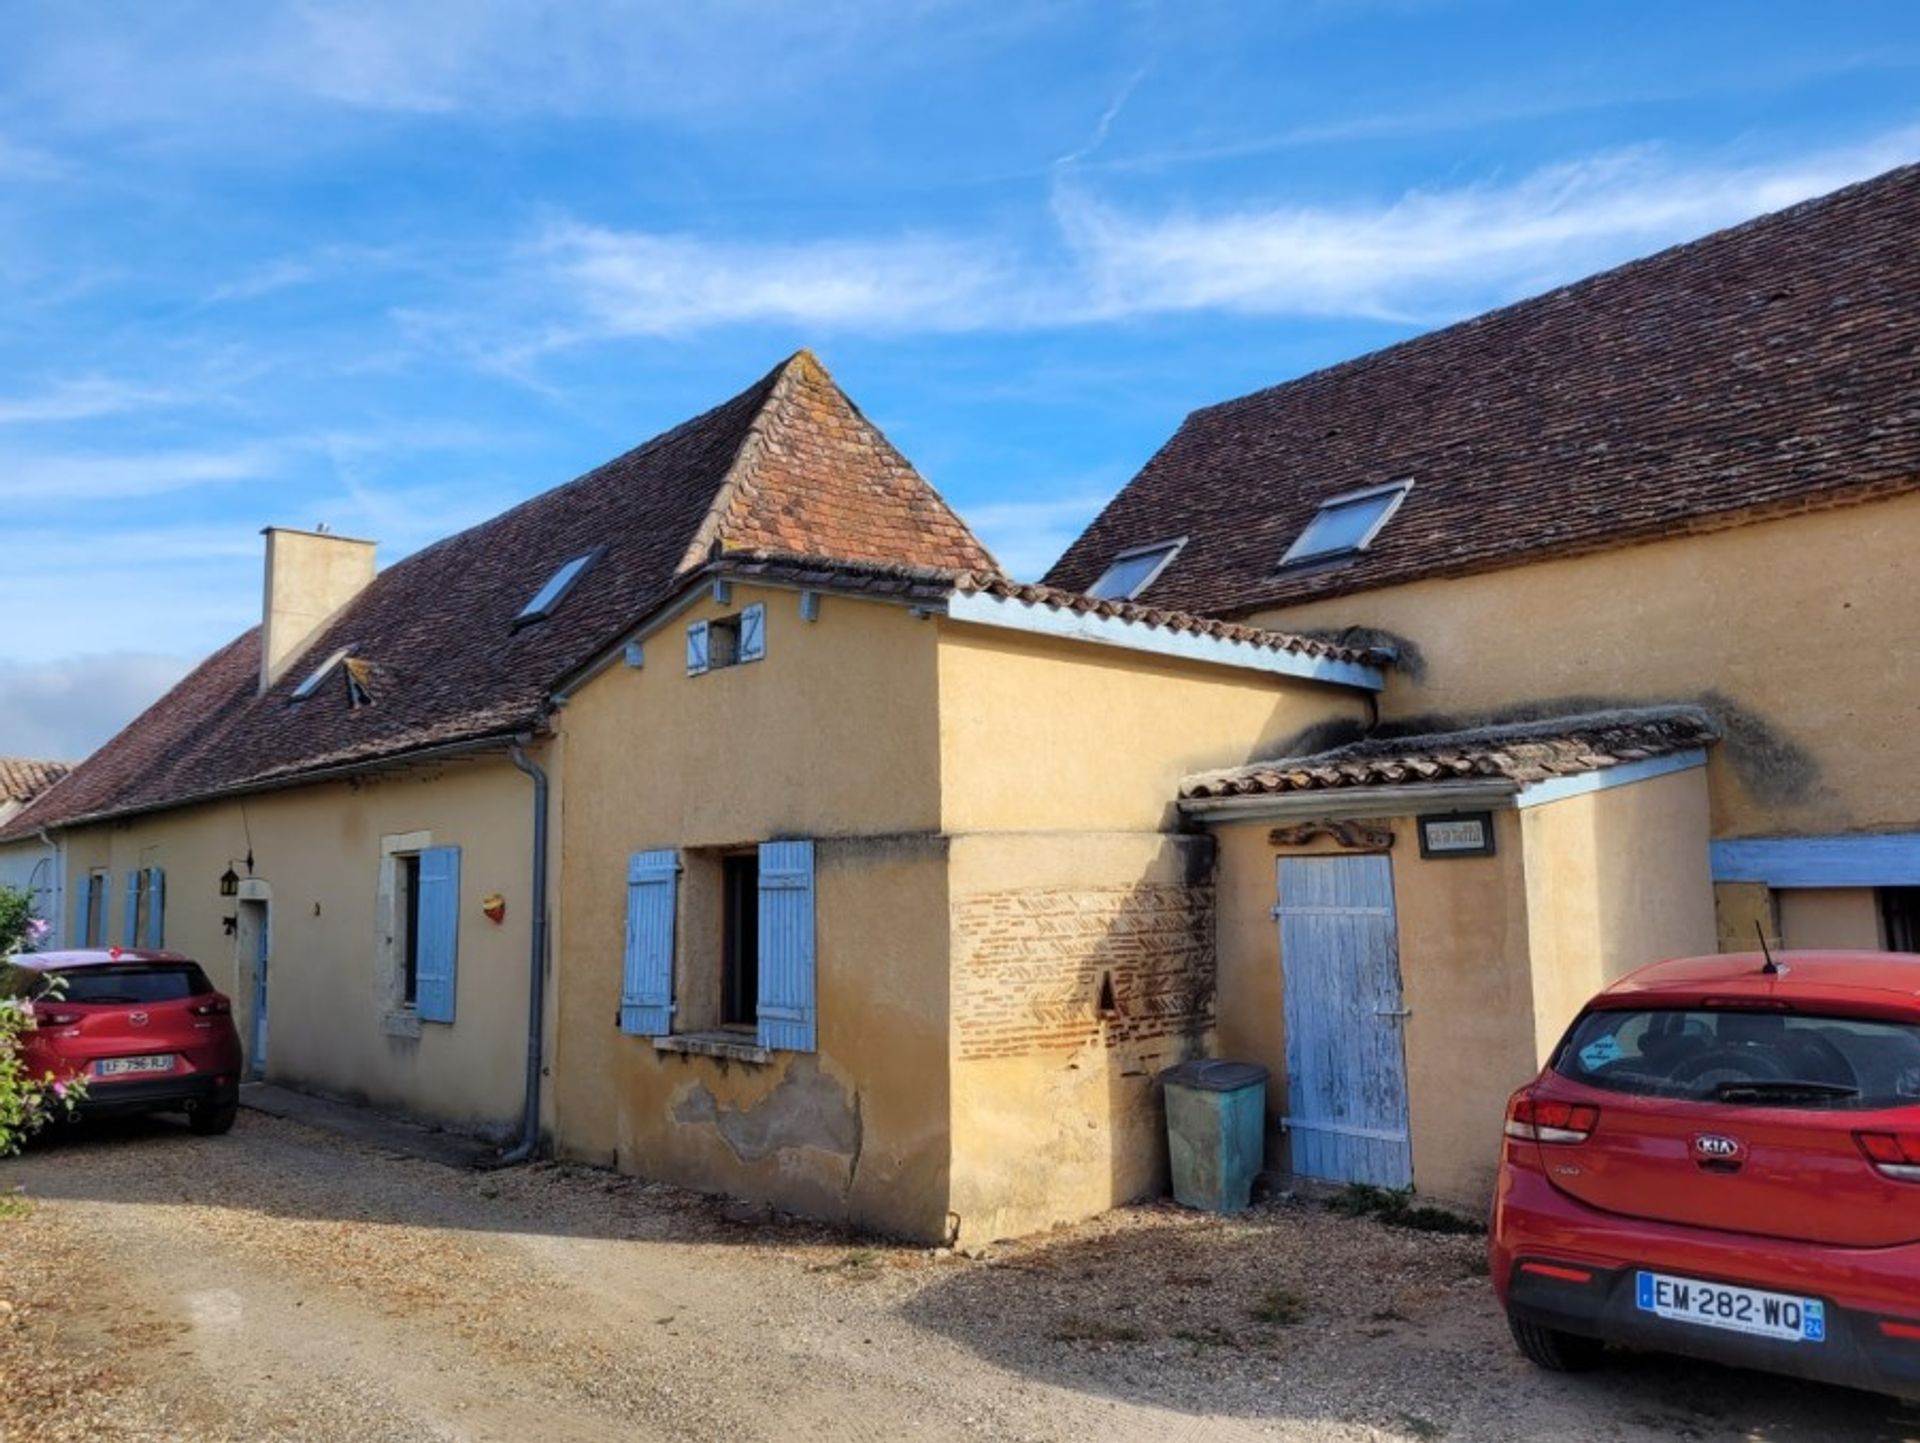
{"x":319,"y":674}
{"x":1134,"y":570}
{"x":1347,"y":523}
{"x":549,"y":597}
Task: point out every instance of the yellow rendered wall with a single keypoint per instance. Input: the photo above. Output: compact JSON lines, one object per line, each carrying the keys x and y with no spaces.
{"x":317,"y":850}
{"x":1056,"y":1112}
{"x":1807,"y":626}
{"x":1842,"y":917}
{"x":1464,"y":978}
{"x":1044,"y":735}
{"x":1615,"y":879}
{"x":833,"y":736}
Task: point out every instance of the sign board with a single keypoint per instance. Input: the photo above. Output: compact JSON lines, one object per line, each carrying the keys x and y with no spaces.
{"x":1457,"y":834}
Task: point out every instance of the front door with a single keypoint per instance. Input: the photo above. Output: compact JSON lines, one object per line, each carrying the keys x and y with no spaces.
{"x":1346,"y":1062}
{"x":258,"y":934}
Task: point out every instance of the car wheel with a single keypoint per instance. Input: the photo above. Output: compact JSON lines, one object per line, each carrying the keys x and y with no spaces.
{"x":213,"y":1119}
{"x":1554,"y":1350}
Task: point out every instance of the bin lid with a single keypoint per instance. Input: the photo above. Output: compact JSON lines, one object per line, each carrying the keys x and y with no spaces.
{"x":1215,"y":1075}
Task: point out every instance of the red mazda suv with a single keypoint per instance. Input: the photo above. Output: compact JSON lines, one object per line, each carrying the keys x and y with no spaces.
{"x":1722,"y":1159}
{"x":145,"y":1030}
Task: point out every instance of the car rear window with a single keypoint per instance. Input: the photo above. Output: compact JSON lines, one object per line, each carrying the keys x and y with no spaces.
{"x":135,"y":982}
{"x":1746,"y":1058}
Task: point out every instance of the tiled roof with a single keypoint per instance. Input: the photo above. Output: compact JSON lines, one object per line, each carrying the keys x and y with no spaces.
{"x":933,"y":585}
{"x":24,"y":778}
{"x":1520,"y":752}
{"x":1763,"y":370}
{"x":791,"y":457}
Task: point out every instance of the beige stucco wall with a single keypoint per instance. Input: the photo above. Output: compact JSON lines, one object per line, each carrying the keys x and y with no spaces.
{"x":1843,"y":917}
{"x":1615,"y":879}
{"x":1045,"y":735}
{"x":1464,"y":977}
{"x":317,"y":850}
{"x":832,"y":736}
{"x":1056,"y":1112}
{"x":1805,"y":625}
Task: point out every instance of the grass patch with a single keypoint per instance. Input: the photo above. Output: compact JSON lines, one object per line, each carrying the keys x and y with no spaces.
{"x":1096,"y":1330}
{"x":15,"y":1204}
{"x":1279,"y":1307}
{"x":1397,"y":1208}
{"x":1211,"y":1336}
{"x":1419,"y":1426}
{"x":860,"y":1260}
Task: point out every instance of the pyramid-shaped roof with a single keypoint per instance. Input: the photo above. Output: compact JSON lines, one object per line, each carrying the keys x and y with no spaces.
{"x":788,"y":464}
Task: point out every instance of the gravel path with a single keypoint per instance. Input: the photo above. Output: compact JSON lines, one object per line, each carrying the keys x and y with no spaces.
{"x":282,"y":1283}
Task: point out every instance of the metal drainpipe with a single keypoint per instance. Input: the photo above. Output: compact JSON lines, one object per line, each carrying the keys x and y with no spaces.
{"x":529,"y":1142}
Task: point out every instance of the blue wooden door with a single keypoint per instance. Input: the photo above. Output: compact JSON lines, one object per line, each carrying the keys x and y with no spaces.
{"x":262,"y":950}
{"x":1346,"y":1062}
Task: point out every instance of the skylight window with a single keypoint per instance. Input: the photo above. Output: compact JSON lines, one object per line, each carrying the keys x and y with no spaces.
{"x":1346,"y":524}
{"x":319,"y":674}
{"x":1134,"y":570}
{"x":556,"y":589}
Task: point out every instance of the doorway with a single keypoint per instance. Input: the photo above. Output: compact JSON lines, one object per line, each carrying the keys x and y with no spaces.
{"x":1346,"y":1056}
{"x":255,"y":946}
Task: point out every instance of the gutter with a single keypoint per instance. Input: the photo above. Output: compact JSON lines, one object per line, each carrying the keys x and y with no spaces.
{"x":529,"y":1142}
{"x":1390,"y":801}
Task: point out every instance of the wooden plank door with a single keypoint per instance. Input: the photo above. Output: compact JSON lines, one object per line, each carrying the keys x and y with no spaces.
{"x":1346,"y":1060}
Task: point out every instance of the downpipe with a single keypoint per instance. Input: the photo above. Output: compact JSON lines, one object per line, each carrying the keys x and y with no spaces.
{"x":529,"y":1143}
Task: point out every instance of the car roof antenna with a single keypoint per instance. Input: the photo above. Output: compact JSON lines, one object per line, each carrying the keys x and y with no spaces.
{"x":1772,"y":969}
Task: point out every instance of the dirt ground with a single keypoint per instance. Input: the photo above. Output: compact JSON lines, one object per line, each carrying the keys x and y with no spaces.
{"x":285,"y":1283}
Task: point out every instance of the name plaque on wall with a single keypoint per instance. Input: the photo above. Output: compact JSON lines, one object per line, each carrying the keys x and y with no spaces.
{"x":1458,"y":834}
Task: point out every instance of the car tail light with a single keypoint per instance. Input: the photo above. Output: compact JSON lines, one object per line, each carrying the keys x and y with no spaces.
{"x":1558,"y":1272}
{"x":1906,"y":1332}
{"x":44,"y":1018}
{"x":1893,"y":1154}
{"x":212,"y":1007}
{"x":1546,"y":1119}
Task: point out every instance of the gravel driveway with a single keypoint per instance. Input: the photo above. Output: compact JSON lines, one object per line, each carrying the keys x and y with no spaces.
{"x":284,"y":1283}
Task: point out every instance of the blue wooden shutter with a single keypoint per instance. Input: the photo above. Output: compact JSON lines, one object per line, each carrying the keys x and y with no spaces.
{"x":696,"y":648}
{"x":156,"y":907}
{"x":646,"y":986}
{"x":439,"y":933}
{"x":753,"y":632}
{"x":130,"y":935}
{"x":82,"y":909}
{"x":786,"y":946}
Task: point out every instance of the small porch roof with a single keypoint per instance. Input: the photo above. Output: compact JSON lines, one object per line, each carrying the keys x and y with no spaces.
{"x":1520,"y":763}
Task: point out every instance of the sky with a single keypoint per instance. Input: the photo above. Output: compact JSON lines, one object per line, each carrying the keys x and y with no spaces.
{"x":393,"y":267}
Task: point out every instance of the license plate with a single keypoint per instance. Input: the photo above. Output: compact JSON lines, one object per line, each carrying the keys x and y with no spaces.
{"x":1737,"y":1310}
{"x":121,"y":1066}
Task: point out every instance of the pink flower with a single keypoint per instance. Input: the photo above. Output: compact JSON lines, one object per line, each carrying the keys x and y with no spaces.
{"x":60,"y":1090}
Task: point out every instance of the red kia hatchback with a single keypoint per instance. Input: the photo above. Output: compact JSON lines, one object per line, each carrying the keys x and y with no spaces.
{"x":1722,"y":1159}
{"x":145,"y":1030}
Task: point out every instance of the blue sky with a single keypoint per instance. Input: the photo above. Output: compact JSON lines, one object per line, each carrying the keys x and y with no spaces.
{"x":393,"y":267}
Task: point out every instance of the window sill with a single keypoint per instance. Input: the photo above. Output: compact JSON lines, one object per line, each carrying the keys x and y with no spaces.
{"x":729,"y":1045}
{"x":404,"y":1023}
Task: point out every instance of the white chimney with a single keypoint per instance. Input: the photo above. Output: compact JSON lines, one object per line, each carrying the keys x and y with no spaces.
{"x":311,"y":576}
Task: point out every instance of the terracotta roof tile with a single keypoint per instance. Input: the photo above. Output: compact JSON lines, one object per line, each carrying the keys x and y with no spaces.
{"x":24,"y":778}
{"x":789,"y":457}
{"x":1767,"y":369}
{"x":1520,"y":752}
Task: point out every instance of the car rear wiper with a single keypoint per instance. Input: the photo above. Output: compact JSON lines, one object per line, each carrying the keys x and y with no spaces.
{"x":1785,"y":1091}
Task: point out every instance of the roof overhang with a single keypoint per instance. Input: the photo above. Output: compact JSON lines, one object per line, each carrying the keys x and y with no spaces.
{"x":981,"y":608}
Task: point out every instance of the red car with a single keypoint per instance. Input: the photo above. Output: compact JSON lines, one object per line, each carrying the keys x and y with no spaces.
{"x":1722,"y":1159}
{"x":146,"y":1030}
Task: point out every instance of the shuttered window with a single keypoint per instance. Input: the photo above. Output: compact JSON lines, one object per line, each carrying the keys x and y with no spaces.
{"x":753,"y":632}
{"x":646,"y":986}
{"x":439,"y":936}
{"x":156,"y":907}
{"x":786,"y":1013}
{"x":696,"y":648}
{"x":130,"y":932}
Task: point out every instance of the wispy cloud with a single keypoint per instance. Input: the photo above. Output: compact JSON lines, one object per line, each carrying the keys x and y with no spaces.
{"x":83,"y":399}
{"x":65,"y":709}
{"x":79,"y":477}
{"x":1027,"y":537}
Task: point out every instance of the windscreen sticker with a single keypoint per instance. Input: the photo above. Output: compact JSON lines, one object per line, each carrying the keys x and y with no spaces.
{"x":1599,"y":1052}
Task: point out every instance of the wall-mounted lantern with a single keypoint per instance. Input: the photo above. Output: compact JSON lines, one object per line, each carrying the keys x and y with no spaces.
{"x":229,"y":882}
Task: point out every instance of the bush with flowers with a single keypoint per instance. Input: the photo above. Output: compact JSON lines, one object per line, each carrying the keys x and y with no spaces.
{"x":28,"y":1101}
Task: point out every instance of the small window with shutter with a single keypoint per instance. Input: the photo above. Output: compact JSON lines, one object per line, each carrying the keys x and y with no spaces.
{"x":727,"y":640}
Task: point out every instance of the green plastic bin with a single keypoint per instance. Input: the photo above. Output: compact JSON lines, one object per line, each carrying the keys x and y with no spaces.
{"x":1216,"y":1132}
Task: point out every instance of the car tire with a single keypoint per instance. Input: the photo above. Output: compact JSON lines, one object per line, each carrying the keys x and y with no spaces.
{"x":213,"y":1119}
{"x":1553,"y":1350}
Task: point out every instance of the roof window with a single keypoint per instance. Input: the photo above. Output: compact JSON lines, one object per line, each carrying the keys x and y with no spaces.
{"x":319,"y":674}
{"x":1347,"y":523}
{"x":555,"y":591}
{"x":1134,"y":570}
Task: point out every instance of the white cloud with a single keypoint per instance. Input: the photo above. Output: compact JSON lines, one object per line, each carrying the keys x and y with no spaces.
{"x":75,"y":477}
{"x":1027,"y":537}
{"x":83,"y":399}
{"x":63,"y":710}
